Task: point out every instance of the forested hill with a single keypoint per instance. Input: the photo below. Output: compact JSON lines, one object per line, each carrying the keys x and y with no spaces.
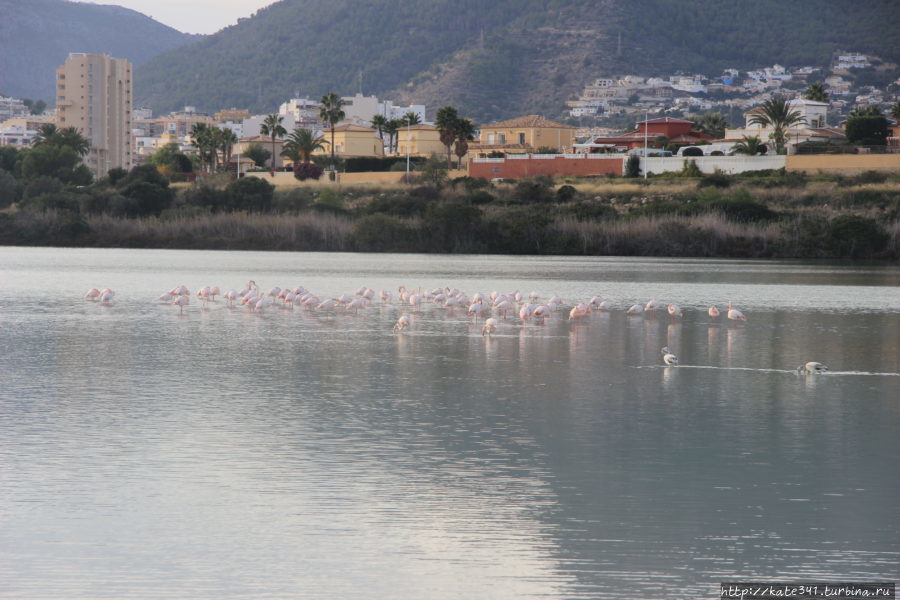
{"x":36,"y":36}
{"x":500,"y":58}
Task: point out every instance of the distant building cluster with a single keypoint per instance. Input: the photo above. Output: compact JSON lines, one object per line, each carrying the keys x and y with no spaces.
{"x":733,"y":88}
{"x":94,"y":95}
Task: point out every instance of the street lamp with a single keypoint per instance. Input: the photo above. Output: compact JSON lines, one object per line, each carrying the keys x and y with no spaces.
{"x":408,"y":135}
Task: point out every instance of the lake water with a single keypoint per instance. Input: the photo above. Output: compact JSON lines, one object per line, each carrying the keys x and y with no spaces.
{"x":300,"y":454}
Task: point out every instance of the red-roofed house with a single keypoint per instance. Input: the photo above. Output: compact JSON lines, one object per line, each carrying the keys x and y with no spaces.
{"x":676,"y":131}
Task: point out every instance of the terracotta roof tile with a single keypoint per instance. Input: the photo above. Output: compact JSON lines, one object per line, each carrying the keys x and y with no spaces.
{"x":527,"y":121}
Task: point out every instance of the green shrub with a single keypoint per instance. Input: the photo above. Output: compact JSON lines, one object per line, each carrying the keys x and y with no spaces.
{"x":452,"y":226}
{"x":864,"y":178}
{"x":293,"y":200}
{"x":252,"y":194}
{"x":853,"y":236}
{"x":590,"y":211}
{"x":566,"y":193}
{"x":401,"y":205}
{"x":470,"y":184}
{"x":479,"y":197}
{"x":690,"y":169}
{"x":381,"y":233}
{"x":633,"y":166}
{"x":717,"y":179}
{"x":739,"y":206}
{"x":329,"y":201}
{"x":533,"y":191}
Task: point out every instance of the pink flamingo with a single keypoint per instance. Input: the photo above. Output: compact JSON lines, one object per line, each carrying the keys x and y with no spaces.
{"x":734,"y":314}
{"x":181,"y":302}
{"x":635,"y":310}
{"x":231,"y":296}
{"x":92,"y":294}
{"x":713,"y":312}
{"x":402,"y":323}
{"x":490,"y":326}
{"x":675,"y":311}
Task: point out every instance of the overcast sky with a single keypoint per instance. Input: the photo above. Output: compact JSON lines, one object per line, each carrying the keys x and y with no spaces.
{"x":192,"y":16}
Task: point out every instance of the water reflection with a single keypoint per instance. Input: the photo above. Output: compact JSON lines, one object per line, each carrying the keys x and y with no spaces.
{"x":315,"y":454}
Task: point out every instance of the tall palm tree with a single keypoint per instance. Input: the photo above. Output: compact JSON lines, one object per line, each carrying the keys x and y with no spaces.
{"x":201,"y":140}
{"x":713,"y":124}
{"x":378,"y":122}
{"x":816,"y":91}
{"x":72,"y":138}
{"x":300,"y":145}
{"x":777,"y":114}
{"x":271,"y":127}
{"x":46,"y":134}
{"x":392,"y":127}
{"x":445,"y":120}
{"x":869,"y":110}
{"x":750,"y":145}
{"x":411,"y":118}
{"x":465,"y":131}
{"x":227,"y":140}
{"x":331,"y":112}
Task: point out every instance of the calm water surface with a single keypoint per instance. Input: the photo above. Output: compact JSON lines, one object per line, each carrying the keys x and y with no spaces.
{"x":226,"y":454}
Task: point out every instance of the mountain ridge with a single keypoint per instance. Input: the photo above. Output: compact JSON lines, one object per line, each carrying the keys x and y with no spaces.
{"x":36,"y":37}
{"x":498,"y":58}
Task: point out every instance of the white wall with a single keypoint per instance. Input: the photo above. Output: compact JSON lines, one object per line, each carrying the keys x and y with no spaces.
{"x":708,"y":164}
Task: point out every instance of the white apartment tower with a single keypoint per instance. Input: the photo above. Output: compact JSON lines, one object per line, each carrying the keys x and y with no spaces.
{"x":93,"y":94}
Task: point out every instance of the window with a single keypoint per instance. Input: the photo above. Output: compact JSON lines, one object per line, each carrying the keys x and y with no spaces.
{"x":502,"y":137}
{"x":490,"y":138}
{"x":522,"y":138}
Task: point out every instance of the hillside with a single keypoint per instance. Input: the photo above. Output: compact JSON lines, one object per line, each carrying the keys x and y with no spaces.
{"x":499,"y":58}
{"x":36,"y":36}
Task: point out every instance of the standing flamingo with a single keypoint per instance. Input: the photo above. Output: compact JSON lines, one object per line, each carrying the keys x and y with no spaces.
{"x":635,"y":310}
{"x":490,"y":326}
{"x":713,"y":312}
{"x":675,"y":311}
{"x":181,"y":302}
{"x":92,"y":294}
{"x":734,"y":314}
{"x":401,"y":324}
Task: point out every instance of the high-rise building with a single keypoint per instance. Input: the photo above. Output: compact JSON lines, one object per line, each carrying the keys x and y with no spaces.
{"x":93,"y":94}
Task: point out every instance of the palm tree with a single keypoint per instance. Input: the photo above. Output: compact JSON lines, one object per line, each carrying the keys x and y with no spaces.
{"x":378,"y":122}
{"x":411,"y":118}
{"x":816,"y":91}
{"x":300,"y":145}
{"x":870,"y":110}
{"x":46,"y":134}
{"x":465,"y":131}
{"x":201,"y":140}
{"x":392,"y":127}
{"x":777,"y":114}
{"x":72,"y":138}
{"x":331,"y":112}
{"x":227,"y":140}
{"x":713,"y":124}
{"x":271,"y":127}
{"x":446,"y":120}
{"x":750,"y":145}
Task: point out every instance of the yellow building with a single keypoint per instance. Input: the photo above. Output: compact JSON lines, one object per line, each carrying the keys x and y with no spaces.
{"x":422,"y":140}
{"x":353,"y":140}
{"x":93,"y":94}
{"x":265,"y":142}
{"x":523,"y":135}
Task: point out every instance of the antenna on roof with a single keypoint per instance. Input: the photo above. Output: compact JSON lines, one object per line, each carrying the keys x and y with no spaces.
{"x":360,"y":82}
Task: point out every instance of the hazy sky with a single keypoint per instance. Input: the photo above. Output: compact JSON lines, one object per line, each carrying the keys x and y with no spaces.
{"x":192,"y":16}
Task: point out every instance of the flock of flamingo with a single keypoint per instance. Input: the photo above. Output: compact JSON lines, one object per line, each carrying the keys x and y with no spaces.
{"x":480,"y":305}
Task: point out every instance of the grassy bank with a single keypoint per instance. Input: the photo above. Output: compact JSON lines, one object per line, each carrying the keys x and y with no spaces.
{"x":772,"y":216}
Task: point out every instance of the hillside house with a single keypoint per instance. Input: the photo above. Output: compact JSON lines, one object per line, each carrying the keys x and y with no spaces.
{"x":675,"y":131}
{"x":522,"y":135}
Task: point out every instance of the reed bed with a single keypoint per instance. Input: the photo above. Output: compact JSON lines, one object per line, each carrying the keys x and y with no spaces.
{"x":226,"y":231}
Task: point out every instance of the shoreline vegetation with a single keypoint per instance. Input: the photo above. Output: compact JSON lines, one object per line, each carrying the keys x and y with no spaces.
{"x":757,"y":215}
